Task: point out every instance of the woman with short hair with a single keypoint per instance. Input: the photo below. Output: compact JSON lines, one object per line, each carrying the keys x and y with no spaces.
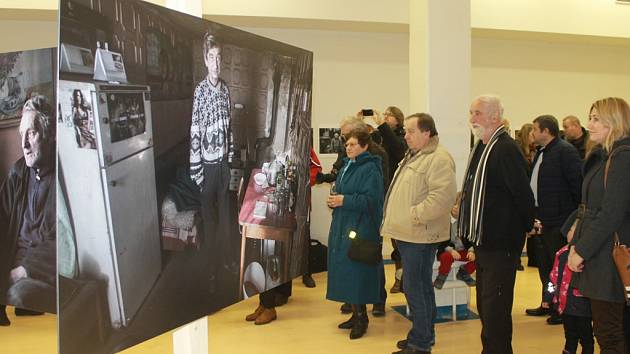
{"x":357,"y":203}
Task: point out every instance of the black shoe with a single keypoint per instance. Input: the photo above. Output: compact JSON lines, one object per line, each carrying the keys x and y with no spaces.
{"x":378,"y":310}
{"x":411,"y":351}
{"x":520,"y":267}
{"x":346,"y":308}
{"x":396,"y":287}
{"x":465,"y":277}
{"x":4,"y":320}
{"x":360,"y":324}
{"x":25,"y":312}
{"x":538,"y":311}
{"x":402,"y":344}
{"x":554,"y":319}
{"x":347,"y":324}
{"x":308,"y":281}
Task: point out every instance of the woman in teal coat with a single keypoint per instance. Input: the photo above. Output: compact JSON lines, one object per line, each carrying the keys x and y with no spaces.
{"x":357,"y":205}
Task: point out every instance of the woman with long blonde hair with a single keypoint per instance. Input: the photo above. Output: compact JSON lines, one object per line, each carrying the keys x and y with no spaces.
{"x":604,"y":212}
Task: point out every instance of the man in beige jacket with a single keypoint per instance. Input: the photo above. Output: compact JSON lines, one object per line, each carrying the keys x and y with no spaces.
{"x":416,"y":215}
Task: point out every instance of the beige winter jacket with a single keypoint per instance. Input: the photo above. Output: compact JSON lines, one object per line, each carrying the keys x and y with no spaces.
{"x":422,"y":193}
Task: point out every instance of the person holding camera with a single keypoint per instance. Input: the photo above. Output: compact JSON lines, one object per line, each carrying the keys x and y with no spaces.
{"x":391,"y":130}
{"x":357,"y":203}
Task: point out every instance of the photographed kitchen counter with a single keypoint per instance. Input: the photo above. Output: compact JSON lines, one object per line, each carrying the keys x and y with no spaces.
{"x":264,"y":216}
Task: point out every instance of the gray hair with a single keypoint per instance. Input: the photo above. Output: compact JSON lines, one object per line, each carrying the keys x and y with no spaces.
{"x":493,"y":104}
{"x":354,"y":122}
{"x":43,"y":118}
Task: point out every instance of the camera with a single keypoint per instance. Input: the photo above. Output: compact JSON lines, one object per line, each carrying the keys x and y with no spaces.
{"x":367,"y":112}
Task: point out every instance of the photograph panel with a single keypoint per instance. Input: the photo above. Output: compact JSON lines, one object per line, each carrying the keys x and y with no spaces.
{"x":27,"y":182}
{"x":183,"y":158}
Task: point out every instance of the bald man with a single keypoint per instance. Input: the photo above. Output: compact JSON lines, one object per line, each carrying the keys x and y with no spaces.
{"x":575,"y":134}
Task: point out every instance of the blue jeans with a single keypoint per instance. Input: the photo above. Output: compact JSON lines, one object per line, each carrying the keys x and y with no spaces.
{"x":417,"y":260}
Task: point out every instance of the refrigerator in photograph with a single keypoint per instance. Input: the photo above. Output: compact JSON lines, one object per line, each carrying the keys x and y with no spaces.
{"x":113,"y":205}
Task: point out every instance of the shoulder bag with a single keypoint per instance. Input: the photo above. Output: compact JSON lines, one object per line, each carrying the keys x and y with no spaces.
{"x":621,"y":253}
{"x":365,"y":251}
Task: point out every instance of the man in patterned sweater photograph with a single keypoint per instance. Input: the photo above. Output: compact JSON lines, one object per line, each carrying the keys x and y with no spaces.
{"x":211,"y":149}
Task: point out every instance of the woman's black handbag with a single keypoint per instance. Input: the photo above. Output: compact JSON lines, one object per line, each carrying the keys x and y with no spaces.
{"x":365,"y":251}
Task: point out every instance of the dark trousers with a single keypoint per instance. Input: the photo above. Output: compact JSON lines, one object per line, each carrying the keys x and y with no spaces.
{"x":215,"y":207}
{"x":381,"y":270}
{"x":578,"y":329}
{"x":396,"y":255}
{"x":608,"y":326}
{"x":268,"y":298}
{"x":546,"y":246}
{"x":496,"y":273}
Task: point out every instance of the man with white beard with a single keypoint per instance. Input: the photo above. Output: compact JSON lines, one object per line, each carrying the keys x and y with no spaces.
{"x":496,"y":211}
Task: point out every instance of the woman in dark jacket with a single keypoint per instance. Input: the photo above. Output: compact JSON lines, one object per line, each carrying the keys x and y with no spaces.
{"x":605,"y":210}
{"x":357,"y":206}
{"x":391,"y":127}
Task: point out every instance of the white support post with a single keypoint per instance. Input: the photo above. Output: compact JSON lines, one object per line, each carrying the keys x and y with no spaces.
{"x":192,"y":338}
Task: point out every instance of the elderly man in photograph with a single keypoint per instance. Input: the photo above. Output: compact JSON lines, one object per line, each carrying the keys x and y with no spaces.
{"x":28,"y":217}
{"x":496,"y":212}
{"x":417,"y":215}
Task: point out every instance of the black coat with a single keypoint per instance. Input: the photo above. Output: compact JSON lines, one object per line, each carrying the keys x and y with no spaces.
{"x":394,"y":143}
{"x":559,"y":182}
{"x":580,"y":143}
{"x":39,"y":261}
{"x":607,"y":212}
{"x":509,"y":202}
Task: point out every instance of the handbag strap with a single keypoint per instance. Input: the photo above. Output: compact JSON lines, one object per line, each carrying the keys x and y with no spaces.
{"x":608,"y":162}
{"x":372,"y":217}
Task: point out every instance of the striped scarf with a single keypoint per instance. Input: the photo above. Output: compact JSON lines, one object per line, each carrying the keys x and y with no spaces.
{"x":472,"y":228}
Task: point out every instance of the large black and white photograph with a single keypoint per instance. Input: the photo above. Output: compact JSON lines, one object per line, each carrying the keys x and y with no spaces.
{"x":193,"y":194}
{"x":330,"y":141}
{"x":27,"y":184}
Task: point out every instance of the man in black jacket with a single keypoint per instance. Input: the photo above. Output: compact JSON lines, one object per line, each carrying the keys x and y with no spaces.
{"x":575,"y":134}
{"x":28,"y":216}
{"x":496,"y":211}
{"x":556,"y":182}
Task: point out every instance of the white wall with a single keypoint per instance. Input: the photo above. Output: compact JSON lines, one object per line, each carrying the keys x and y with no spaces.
{"x":23,"y":35}
{"x":582,"y":17}
{"x":351,"y":70}
{"x":535,"y":78}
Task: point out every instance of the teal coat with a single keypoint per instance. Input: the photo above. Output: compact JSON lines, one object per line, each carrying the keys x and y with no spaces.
{"x":361,"y":184}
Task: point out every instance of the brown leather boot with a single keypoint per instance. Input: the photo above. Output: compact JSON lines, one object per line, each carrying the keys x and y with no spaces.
{"x":253,"y":316}
{"x":266,"y":316}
